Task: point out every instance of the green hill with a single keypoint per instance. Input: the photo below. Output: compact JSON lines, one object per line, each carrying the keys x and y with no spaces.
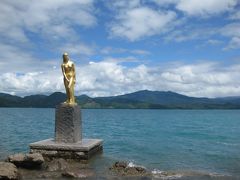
{"x":141,"y":99}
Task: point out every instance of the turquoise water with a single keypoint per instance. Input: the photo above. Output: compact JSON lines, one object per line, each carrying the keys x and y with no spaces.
{"x":171,"y":140}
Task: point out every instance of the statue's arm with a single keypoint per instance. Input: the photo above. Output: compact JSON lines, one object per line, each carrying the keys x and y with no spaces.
{"x":64,"y":74}
{"x":74,"y":73}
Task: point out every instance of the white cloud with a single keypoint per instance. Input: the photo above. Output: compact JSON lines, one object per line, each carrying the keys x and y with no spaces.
{"x":31,"y":83}
{"x":233,"y":44}
{"x":51,"y":19}
{"x":140,"y":52}
{"x":205,"y":7}
{"x":30,"y":26}
{"x":140,"y":22}
{"x":195,"y":9}
{"x":235,"y":15}
{"x":121,"y":60}
{"x":112,"y":50}
{"x":209,"y":35}
{"x":111,"y":78}
{"x":214,"y":42}
{"x":232,"y":31}
{"x":135,"y":20}
{"x":191,"y":32}
{"x":14,"y":60}
{"x":77,"y":49}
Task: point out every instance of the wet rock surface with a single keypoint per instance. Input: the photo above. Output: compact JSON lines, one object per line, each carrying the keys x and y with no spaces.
{"x":60,"y":168}
{"x":8,"y":171}
{"x":125,"y":169}
{"x":57,"y":165}
{"x":31,"y":161}
{"x":57,"y":168}
{"x":166,"y":175}
{"x":83,"y":173}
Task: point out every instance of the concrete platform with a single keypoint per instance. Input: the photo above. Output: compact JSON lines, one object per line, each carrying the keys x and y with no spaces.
{"x":82,"y":150}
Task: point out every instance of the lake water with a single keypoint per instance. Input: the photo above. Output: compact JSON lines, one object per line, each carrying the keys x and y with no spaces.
{"x":190,"y":141}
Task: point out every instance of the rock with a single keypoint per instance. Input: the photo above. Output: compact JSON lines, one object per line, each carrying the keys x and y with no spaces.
{"x":30,"y":161}
{"x":135,"y":171}
{"x":83,"y":173}
{"x":48,"y":175}
{"x":123,"y":169}
{"x":8,"y":171}
{"x":140,"y":169}
{"x":16,"y":158}
{"x":121,"y":164}
{"x":35,"y":159}
{"x":69,"y":174}
{"x":57,"y":165}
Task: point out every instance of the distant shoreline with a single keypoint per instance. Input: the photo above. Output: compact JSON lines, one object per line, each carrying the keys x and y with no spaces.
{"x":137,"y":100}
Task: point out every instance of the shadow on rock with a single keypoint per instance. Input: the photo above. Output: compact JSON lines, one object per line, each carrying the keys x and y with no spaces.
{"x":29,"y":161}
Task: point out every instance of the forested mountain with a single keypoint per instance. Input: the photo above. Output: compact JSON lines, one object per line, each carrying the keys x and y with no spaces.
{"x":141,"y":99}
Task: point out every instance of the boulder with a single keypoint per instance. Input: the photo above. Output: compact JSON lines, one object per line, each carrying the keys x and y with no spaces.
{"x":122,"y":168}
{"x":57,"y":165}
{"x":16,"y":158}
{"x":8,"y":171}
{"x":121,"y":164}
{"x":47,"y":175}
{"x":83,"y":173}
{"x":29,"y":161}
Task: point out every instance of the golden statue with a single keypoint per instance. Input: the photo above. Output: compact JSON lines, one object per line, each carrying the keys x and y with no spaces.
{"x":69,"y":78}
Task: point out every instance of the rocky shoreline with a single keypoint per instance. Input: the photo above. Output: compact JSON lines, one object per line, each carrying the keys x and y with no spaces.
{"x":35,"y":166}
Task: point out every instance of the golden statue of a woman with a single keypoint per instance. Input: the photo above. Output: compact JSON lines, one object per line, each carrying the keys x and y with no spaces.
{"x":69,"y":78}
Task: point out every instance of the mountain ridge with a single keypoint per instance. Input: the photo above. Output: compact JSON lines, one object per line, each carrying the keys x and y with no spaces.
{"x":143,"y":99}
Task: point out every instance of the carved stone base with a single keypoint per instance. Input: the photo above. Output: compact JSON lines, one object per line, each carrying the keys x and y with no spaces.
{"x":68,"y":123}
{"x":82,"y":150}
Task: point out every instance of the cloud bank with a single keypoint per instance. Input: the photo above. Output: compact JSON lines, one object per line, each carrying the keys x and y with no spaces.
{"x":137,"y":20}
{"x":108,"y":78}
{"x":50,"y":18}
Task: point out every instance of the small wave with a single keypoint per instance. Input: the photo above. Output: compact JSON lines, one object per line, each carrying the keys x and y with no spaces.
{"x":156,"y":171}
{"x":228,"y":144}
{"x":176,"y":175}
{"x":131,"y":164}
{"x":171,"y":175}
{"x":218,"y":175}
{"x":165,"y":175}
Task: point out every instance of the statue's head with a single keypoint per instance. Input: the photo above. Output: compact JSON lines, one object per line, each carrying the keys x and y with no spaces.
{"x":65,"y":57}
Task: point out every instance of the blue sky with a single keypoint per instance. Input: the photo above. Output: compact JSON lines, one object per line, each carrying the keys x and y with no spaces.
{"x":120,"y":46}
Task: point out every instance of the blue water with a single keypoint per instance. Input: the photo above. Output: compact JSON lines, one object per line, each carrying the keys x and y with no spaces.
{"x":170,"y":140}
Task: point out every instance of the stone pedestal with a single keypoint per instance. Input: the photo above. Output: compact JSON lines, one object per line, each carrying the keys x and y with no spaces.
{"x":68,"y":124}
{"x":68,"y":142}
{"x":82,"y":150}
